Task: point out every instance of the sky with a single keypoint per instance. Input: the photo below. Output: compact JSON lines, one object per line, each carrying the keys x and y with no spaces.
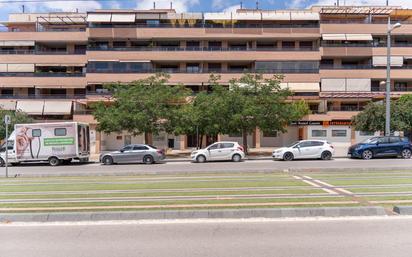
{"x":179,"y":5}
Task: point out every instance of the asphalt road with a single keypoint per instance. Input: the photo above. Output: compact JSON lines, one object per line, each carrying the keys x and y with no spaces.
{"x":366,"y":237}
{"x":188,"y":167}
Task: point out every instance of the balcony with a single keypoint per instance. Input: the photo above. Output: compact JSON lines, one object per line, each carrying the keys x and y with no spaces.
{"x":55,"y":36}
{"x":41,"y":74}
{"x":43,"y":97}
{"x":346,"y":108}
{"x":37,"y":52}
{"x":364,"y":71}
{"x":201,"y":49}
{"x":228,"y":71}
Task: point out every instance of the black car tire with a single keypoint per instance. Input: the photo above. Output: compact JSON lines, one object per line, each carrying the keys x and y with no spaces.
{"x":200,"y":159}
{"x":406,"y":153}
{"x":2,"y":163}
{"x":367,"y":154}
{"x":326,"y":155}
{"x":54,"y":161}
{"x":288,"y":156}
{"x":107,"y":160}
{"x":148,"y":159}
{"x":236,"y":158}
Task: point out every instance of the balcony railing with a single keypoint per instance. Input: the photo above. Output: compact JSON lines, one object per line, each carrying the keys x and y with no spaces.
{"x":360,"y":67}
{"x":37,"y":52}
{"x":345,"y":108}
{"x":177,"y":49}
{"x":43,"y":96}
{"x":41,"y":74}
{"x":325,"y":44}
{"x":393,"y":89}
{"x":205,"y":25}
{"x":176,"y":70}
{"x":357,"y":21}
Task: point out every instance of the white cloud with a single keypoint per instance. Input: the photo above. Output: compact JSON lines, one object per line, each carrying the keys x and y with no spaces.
{"x":232,"y":8}
{"x":403,"y":3}
{"x":178,"y":5}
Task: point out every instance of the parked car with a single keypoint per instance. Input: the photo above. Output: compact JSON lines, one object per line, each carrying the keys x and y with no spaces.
{"x":219,"y":151}
{"x":147,"y":154}
{"x":382,"y":146}
{"x":305,"y":149}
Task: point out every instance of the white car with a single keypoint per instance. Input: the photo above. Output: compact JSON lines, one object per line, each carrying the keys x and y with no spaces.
{"x":219,"y":151}
{"x":305,"y":149}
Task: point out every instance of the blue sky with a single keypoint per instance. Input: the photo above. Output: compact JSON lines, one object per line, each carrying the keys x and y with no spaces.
{"x":181,"y":5}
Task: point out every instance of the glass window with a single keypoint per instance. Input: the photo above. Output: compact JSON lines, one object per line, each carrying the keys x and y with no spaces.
{"x":213,"y":147}
{"x":127,"y":148}
{"x":60,"y":132}
{"x":394,"y":139}
{"x":319,"y":133}
{"x":317,"y":143}
{"x":305,"y":144}
{"x":36,"y":133}
{"x":339,"y":132}
{"x":227,"y":145}
{"x":140,"y":147}
{"x":383,"y":140}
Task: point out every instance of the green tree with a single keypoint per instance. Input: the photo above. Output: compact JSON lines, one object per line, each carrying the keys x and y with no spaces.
{"x":402,"y":114}
{"x":144,"y":106}
{"x":257,"y":102}
{"x":17,"y":117}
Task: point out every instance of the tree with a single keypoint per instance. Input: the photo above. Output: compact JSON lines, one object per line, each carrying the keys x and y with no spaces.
{"x":403,"y":114}
{"x":257,"y":102}
{"x":371,"y":119}
{"x":17,"y":117}
{"x":143,"y":106}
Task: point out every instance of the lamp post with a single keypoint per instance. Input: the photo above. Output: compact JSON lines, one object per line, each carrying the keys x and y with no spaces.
{"x":388,"y":77}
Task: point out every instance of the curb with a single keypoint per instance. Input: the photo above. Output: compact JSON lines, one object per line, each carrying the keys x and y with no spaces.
{"x":403,"y":210}
{"x":194,"y":214}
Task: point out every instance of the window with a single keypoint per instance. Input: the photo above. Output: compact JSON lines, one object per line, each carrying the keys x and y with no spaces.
{"x":192,"y":68}
{"x":288,"y":44}
{"x":119,"y":44}
{"x":7,"y":92}
{"x":339,"y":132}
{"x":153,"y":23}
{"x":305,"y":144}
{"x":316,"y":143}
{"x":213,"y":147}
{"x":127,"y":148}
{"x":394,"y":139}
{"x":366,"y":133}
{"x":60,"y":132}
{"x":140,"y":147}
{"x":318,"y":133}
{"x":101,"y":66}
{"x":383,"y":140}
{"x":36,"y":133}
{"x":227,"y":145}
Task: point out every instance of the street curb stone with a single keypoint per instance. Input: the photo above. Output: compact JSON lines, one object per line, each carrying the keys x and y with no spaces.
{"x":194,"y":214}
{"x":403,"y":210}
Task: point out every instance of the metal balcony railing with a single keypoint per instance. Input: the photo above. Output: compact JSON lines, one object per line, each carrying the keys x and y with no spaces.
{"x":360,"y":67}
{"x":43,"y":96}
{"x":41,"y":74}
{"x":345,"y":108}
{"x":177,"y":49}
{"x":176,"y":70}
{"x":206,"y":25}
{"x":40,"y":52}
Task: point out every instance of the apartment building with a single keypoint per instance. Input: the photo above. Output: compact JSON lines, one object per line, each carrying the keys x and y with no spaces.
{"x":54,"y":65}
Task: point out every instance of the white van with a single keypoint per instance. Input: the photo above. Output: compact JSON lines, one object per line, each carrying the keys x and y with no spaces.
{"x":56,"y":143}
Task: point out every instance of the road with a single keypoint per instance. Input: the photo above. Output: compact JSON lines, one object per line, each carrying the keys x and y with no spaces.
{"x":366,"y":237}
{"x":187,"y":167}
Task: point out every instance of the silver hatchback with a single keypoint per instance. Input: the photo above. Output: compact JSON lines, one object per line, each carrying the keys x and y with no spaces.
{"x":133,"y":154}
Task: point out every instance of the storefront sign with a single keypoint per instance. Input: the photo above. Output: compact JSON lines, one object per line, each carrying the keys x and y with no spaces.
{"x":322,"y":123}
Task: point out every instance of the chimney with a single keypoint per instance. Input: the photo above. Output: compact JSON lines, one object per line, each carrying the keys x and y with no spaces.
{"x":241,"y":5}
{"x":257,"y":5}
{"x":154,"y":5}
{"x":171,"y":5}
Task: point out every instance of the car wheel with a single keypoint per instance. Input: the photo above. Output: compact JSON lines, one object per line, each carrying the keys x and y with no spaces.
{"x":288,"y":156}
{"x":326,"y":155}
{"x":107,"y":160}
{"x":236,"y":158}
{"x":200,"y":159}
{"x":54,"y":161}
{"x":406,"y":153}
{"x":148,"y":159}
{"x":2,"y":163}
{"x":367,"y":155}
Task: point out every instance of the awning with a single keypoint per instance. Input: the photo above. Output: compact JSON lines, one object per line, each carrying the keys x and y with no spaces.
{"x":396,"y":61}
{"x":359,"y":37}
{"x":3,"y":67}
{"x":123,"y":17}
{"x":304,"y":16}
{"x":253,"y":16}
{"x":301,"y":87}
{"x":276,"y":16}
{"x":218,"y":16}
{"x":17,"y":43}
{"x":99,"y":17}
{"x":332,"y":37}
{"x":20,"y":67}
{"x":185,"y":16}
{"x":333,"y":85}
{"x":57,"y":107}
{"x":8,"y":105}
{"x":31,"y":107}
{"x":358,"y":85}
{"x":60,"y":64}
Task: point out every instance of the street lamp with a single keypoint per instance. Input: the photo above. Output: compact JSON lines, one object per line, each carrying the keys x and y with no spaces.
{"x":388,"y":77}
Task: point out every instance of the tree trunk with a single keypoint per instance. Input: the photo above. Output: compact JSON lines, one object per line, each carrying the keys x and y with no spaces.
{"x":148,"y":138}
{"x":244,"y":136}
{"x":200,"y":141}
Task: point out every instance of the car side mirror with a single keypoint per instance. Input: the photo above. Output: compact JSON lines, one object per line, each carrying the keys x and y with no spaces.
{"x":121,"y":150}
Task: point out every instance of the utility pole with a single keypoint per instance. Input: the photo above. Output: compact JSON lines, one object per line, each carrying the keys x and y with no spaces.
{"x":22,"y":8}
{"x":7,"y":121}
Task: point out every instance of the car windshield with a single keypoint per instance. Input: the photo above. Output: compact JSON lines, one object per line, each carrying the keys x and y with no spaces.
{"x":294,"y":143}
{"x":372,"y":140}
{"x":154,"y":147}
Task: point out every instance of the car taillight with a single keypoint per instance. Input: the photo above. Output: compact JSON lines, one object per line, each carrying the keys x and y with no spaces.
{"x":331,"y":146}
{"x":240,"y":148}
{"x":160,"y":151}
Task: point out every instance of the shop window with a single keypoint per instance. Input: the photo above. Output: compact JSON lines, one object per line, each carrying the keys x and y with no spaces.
{"x":366,"y":133}
{"x":319,"y":133}
{"x":60,"y":132}
{"x":339,"y":133}
{"x":36,"y":133}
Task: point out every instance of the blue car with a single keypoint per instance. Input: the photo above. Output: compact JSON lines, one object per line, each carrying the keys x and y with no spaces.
{"x":382,"y":147}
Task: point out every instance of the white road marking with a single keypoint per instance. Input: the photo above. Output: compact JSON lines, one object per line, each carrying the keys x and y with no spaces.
{"x":306,"y":179}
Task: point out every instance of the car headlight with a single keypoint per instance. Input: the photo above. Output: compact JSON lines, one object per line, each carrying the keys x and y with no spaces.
{"x":193,"y":153}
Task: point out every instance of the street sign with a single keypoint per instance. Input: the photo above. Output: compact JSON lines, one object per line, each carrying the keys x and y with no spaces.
{"x":7,"y":119}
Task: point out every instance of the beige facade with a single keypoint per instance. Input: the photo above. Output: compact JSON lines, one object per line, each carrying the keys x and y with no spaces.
{"x":332,"y":57}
